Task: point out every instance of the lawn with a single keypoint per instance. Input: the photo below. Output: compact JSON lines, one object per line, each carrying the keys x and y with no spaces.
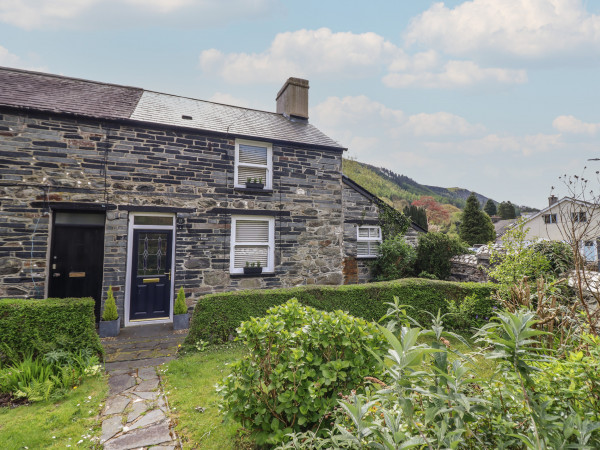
{"x":70,"y":422}
{"x":190,"y":387}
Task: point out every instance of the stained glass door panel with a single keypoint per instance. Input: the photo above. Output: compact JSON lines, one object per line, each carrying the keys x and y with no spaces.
{"x":151,"y":274}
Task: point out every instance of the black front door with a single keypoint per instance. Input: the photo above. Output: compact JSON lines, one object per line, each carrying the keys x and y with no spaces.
{"x":77,"y":256}
{"x":151,"y":274}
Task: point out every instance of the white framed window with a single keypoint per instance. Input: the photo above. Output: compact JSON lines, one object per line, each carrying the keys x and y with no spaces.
{"x":549,"y":218}
{"x":252,"y":241}
{"x":368,"y":240}
{"x":579,"y":217}
{"x":253,"y":160}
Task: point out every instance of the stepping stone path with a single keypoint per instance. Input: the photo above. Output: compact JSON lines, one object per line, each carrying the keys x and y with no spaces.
{"x":136,"y":412}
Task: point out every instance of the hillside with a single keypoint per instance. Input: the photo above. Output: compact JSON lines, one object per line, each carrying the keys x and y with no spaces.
{"x":400,"y":190}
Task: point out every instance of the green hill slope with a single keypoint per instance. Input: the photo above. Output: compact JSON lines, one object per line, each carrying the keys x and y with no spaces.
{"x":400,"y":190}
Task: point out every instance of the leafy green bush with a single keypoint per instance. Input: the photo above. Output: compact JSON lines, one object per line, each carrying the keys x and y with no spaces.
{"x":180,"y":306}
{"x":471,"y":313}
{"x":434,"y":402}
{"x":216,"y":316}
{"x":559,"y":256}
{"x":110,"y":307}
{"x":299,"y":360}
{"x":434,"y":252}
{"x":396,"y":260}
{"x":30,"y":326}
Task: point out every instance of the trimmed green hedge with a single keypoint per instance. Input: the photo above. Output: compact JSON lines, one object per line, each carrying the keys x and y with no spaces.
{"x":39,"y":326}
{"x":216,"y":316}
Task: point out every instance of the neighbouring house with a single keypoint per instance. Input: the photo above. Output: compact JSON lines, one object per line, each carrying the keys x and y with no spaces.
{"x":568,"y":220}
{"x":105,"y":185}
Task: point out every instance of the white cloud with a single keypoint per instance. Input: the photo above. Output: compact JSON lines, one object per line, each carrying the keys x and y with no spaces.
{"x":361,"y":112}
{"x":9,"y":59}
{"x":572,"y":125}
{"x":518,"y":28}
{"x":455,"y":74}
{"x":304,"y":53}
{"x":84,"y":14}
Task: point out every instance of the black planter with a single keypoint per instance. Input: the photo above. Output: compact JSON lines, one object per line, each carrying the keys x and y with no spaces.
{"x":109,"y":328}
{"x":255,"y":185}
{"x":253,"y":270}
{"x":181,"y":321}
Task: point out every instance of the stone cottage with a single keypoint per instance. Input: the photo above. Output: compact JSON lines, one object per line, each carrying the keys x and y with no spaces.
{"x":104,"y":185}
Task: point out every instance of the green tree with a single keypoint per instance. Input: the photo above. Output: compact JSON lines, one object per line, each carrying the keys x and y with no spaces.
{"x":417,"y":215}
{"x":434,"y":252}
{"x":490,"y":207}
{"x":476,"y":226}
{"x":396,"y":259}
{"x":506,"y":210}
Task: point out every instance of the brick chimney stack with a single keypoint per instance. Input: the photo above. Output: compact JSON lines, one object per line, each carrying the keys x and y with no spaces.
{"x":552,"y":200}
{"x":292,"y":99}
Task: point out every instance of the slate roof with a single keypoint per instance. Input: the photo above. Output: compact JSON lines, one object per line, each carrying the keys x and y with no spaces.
{"x":54,"y":93}
{"x":46,"y":92}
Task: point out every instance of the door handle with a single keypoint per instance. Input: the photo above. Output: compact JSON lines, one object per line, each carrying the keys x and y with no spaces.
{"x":56,"y":274}
{"x":168,"y":274}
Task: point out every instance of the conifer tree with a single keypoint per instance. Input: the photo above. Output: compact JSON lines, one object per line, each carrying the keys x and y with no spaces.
{"x":490,"y":208}
{"x":476,"y":226}
{"x":417,"y":215}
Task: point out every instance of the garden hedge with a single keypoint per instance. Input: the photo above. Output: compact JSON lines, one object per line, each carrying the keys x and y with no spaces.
{"x":216,"y":316}
{"x":39,"y":326}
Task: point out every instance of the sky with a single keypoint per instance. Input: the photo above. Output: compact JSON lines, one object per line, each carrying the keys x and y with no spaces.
{"x":496,"y":96}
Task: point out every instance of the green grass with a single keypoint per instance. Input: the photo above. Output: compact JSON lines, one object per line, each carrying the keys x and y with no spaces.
{"x":190,"y":383}
{"x":56,"y":424}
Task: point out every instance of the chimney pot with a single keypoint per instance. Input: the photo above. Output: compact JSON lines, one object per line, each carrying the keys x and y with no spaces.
{"x":292,"y":99}
{"x":552,"y":200}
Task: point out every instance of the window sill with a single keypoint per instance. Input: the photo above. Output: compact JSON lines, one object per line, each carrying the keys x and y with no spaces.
{"x":254,"y":191}
{"x":252,"y":275}
{"x":365,"y":257}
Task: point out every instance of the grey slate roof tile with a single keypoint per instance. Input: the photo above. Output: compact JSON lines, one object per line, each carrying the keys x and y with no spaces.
{"x":47,"y":92}
{"x":42,"y":91}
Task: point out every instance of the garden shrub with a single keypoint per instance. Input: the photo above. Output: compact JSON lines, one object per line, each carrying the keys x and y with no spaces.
{"x":471,"y":313}
{"x":110,"y":307}
{"x":434,"y":252}
{"x":216,"y":316}
{"x":299,"y":360}
{"x":34,"y":326}
{"x":180,"y":306}
{"x":396,"y":259}
{"x":559,"y":256}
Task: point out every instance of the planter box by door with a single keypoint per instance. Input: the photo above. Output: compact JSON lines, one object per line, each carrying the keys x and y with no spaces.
{"x":255,"y":185}
{"x":181,"y":321}
{"x":253,"y":270}
{"x":109,"y":328}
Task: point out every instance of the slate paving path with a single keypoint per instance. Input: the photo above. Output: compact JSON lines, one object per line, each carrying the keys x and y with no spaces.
{"x":136,"y":414}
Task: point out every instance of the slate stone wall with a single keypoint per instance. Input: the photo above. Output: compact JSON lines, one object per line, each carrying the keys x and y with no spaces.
{"x":45,"y":159}
{"x":358,"y":210}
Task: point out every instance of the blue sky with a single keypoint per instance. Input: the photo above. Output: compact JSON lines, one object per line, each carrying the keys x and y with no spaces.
{"x":497,"y":96}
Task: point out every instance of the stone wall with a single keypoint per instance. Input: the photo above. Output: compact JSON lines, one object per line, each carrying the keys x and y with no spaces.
{"x":470,"y":268}
{"x":358,"y":210}
{"x":45,"y":159}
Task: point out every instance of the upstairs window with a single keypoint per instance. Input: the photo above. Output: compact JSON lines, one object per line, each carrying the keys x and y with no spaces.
{"x":368,"y":240}
{"x":252,"y":241}
{"x":549,"y":218}
{"x":577,"y":217}
{"x":254,"y":161}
